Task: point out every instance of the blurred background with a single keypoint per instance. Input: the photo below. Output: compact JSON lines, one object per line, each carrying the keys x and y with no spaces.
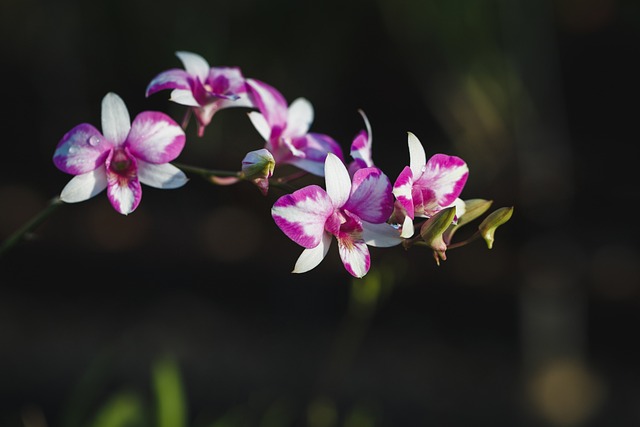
{"x":185,"y":313}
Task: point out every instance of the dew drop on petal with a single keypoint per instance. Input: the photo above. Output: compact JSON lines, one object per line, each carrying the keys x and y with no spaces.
{"x":93,"y":140}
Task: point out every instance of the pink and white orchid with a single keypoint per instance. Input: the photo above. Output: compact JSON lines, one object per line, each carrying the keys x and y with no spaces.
{"x":354,"y":211}
{"x":424,"y":188}
{"x":205,"y":89}
{"x":285,"y":128}
{"x":122,"y":157}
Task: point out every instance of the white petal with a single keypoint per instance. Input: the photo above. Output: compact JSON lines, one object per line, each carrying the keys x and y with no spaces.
{"x":183,"y":97}
{"x":310,"y":258}
{"x":85,"y":186}
{"x":337,"y":179}
{"x":164,"y":176}
{"x":299,"y":118}
{"x":381,"y":235}
{"x":417,"y":156}
{"x":407,"y":228}
{"x":115,"y":118}
{"x":261,"y":125}
{"x":195,"y":64}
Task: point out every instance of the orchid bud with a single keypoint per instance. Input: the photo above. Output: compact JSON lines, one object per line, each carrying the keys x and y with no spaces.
{"x":492,"y":221}
{"x":432,"y":230}
{"x":474,"y":209}
{"x":258,"y":166}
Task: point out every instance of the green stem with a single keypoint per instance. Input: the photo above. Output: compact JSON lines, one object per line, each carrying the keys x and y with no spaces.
{"x":473,"y":237}
{"x":206,"y":173}
{"x":12,"y":240}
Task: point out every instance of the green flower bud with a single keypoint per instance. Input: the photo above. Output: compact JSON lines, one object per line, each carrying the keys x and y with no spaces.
{"x":492,"y":222}
{"x":432,"y":230}
{"x":258,"y":166}
{"x":474,"y":208}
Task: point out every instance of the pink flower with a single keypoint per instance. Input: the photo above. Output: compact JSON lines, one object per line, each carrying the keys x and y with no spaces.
{"x":285,"y":128}
{"x":424,"y":188}
{"x":355,"y":212}
{"x":122,"y":157}
{"x":205,"y":89}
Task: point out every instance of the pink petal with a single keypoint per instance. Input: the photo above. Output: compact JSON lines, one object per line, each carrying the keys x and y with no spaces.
{"x":402,"y":189}
{"x":444,"y":177}
{"x":170,"y":79}
{"x":123,"y":193}
{"x":313,"y":149}
{"x":302,"y":215}
{"x":81,"y":150}
{"x":155,"y":137}
{"x":226,"y":82}
{"x":371,"y":198}
{"x":355,"y":257}
{"x":269,"y":102}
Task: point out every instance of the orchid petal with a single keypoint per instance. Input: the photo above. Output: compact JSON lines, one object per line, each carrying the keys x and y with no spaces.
{"x":269,"y":101}
{"x":381,"y":235}
{"x":407,"y":227}
{"x":355,"y":257}
{"x":174,"y":78}
{"x":183,"y":97}
{"x":155,"y":137}
{"x":260,"y":123}
{"x":302,"y":215}
{"x":417,"y":156}
{"x":85,"y":186}
{"x":164,"y":176}
{"x":310,"y":258}
{"x":123,"y":193}
{"x":371,"y":198}
{"x":299,"y":119}
{"x":81,"y":150}
{"x":115,"y":119}
{"x":445,"y":177}
{"x":402,"y":190}
{"x":226,"y":81}
{"x":195,"y":64}
{"x":337,"y":179}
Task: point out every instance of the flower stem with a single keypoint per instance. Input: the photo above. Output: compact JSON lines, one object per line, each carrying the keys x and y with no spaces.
{"x":206,"y":173}
{"x":12,"y":240}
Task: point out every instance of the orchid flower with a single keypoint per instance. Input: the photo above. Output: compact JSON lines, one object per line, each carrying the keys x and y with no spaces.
{"x":424,"y":188}
{"x":122,"y":157}
{"x":285,"y":128}
{"x":205,"y":89}
{"x":354,"y":211}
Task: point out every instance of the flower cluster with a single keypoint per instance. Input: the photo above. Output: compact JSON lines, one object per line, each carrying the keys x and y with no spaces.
{"x":359,"y":205}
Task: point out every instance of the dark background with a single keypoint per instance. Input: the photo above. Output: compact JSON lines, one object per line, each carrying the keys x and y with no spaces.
{"x":540,"y":99}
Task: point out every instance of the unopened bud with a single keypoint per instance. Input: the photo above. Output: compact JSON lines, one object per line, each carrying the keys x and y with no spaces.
{"x":494,"y":220}
{"x":474,"y":209}
{"x":258,"y":166}
{"x":432,"y":229}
